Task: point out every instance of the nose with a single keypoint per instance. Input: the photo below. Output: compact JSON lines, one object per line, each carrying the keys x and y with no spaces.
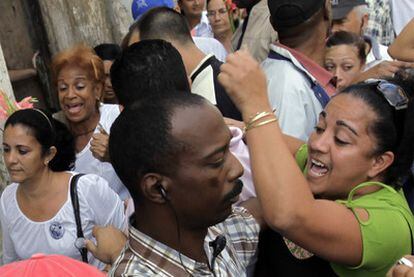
{"x":217,"y":16}
{"x":10,"y":157}
{"x":339,"y":76}
{"x":319,"y":142}
{"x":197,"y":2}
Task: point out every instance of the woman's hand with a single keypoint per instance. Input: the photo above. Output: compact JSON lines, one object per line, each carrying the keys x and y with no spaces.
{"x":99,"y":145}
{"x":403,"y":269}
{"x":245,"y":82}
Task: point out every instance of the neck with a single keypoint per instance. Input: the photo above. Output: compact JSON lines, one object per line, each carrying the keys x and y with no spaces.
{"x":192,"y":56}
{"x":39,"y":185}
{"x":311,"y":44}
{"x":193,"y":21}
{"x":160,"y":224}
{"x":84,"y":127}
{"x":225,"y":39}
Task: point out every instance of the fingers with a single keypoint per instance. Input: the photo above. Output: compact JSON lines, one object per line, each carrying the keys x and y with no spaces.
{"x":402,"y":271}
{"x":91,"y":247}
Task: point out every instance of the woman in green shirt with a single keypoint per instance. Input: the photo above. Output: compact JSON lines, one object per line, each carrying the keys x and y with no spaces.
{"x":347,"y":208}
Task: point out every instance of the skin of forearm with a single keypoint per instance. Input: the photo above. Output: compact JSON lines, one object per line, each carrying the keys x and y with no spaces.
{"x":280,"y":185}
{"x":21,"y":74}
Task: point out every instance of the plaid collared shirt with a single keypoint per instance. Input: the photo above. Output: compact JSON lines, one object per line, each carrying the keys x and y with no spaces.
{"x":144,"y":256}
{"x":380,"y":24}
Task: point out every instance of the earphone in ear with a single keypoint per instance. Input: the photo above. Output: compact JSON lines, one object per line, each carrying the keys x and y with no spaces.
{"x":162,"y":192}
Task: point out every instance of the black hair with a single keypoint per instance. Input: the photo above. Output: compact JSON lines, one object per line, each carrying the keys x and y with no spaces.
{"x":149,"y":68}
{"x":107,"y":51}
{"x":164,"y":23}
{"x":393,"y":129}
{"x":347,"y":38}
{"x":141,"y":141}
{"x":48,"y":132}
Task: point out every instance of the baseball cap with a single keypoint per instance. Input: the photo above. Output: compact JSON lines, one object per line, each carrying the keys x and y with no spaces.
{"x":291,"y":13}
{"x":48,"y":266}
{"x":139,"y":7}
{"x":341,"y":8}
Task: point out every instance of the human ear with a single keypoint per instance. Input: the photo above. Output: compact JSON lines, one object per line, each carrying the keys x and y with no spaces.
{"x":327,"y":15}
{"x":364,"y":23}
{"x":380,"y":164}
{"x":155,"y":187}
{"x":98,"y":91}
{"x":50,"y":154}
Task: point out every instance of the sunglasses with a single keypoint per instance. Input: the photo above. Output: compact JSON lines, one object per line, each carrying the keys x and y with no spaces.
{"x":394,"y":94}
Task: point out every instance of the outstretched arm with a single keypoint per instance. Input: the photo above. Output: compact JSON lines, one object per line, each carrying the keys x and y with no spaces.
{"x":288,"y":205}
{"x":403,"y":46}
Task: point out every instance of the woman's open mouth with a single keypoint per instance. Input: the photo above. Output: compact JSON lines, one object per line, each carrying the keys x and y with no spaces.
{"x":317,"y":168}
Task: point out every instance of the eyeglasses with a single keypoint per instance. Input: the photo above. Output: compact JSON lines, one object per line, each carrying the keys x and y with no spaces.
{"x":394,"y":94}
{"x":220,"y":12}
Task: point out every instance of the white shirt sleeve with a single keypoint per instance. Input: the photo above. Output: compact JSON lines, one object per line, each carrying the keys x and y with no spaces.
{"x":9,"y":253}
{"x":105,"y":204}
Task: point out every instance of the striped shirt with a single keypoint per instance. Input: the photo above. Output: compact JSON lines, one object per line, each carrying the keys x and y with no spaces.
{"x":144,"y":256}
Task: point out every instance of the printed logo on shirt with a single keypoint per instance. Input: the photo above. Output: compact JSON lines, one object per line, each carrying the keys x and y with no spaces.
{"x":56,"y":230}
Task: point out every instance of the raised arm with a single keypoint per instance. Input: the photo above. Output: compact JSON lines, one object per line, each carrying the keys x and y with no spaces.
{"x":288,"y":205}
{"x":403,"y":46}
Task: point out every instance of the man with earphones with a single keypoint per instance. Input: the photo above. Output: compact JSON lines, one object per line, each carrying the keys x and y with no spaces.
{"x":173,"y":155}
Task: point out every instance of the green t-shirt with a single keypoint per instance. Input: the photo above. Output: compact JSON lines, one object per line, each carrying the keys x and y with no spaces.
{"x":386,"y":236}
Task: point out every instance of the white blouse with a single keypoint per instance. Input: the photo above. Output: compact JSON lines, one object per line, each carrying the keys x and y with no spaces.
{"x":22,"y":237}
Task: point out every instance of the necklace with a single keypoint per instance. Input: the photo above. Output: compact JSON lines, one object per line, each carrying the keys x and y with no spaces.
{"x":84,"y":133}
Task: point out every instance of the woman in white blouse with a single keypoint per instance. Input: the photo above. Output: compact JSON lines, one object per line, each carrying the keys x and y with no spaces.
{"x":36,"y":210}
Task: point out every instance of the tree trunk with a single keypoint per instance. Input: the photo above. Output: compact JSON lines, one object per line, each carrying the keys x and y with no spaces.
{"x":68,"y":22}
{"x":5,"y":86}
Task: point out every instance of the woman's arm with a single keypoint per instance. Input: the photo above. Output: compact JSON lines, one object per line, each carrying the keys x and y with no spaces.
{"x":289,"y":207}
{"x":403,"y":46}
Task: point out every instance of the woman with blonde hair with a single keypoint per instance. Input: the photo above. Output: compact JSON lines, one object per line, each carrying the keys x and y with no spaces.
{"x":79,"y":76}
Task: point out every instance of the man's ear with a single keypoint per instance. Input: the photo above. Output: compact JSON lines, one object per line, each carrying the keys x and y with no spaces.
{"x":328,"y":12}
{"x":364,"y":23}
{"x":152,"y":184}
{"x":380,"y":164}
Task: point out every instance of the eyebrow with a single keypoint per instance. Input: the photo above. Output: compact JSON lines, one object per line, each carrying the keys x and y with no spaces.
{"x":219,"y":149}
{"x":340,"y":123}
{"x":76,"y":78}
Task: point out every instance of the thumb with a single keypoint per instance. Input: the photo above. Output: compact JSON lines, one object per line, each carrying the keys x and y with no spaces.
{"x":91,"y":246}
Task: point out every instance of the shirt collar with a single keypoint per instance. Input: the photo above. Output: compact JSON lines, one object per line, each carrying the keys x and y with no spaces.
{"x":324,"y":78}
{"x":153,"y":251}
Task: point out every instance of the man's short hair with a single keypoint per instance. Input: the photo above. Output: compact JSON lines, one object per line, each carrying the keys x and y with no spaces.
{"x":108,"y":51}
{"x":149,"y":68}
{"x":164,"y":23}
{"x":141,"y":141}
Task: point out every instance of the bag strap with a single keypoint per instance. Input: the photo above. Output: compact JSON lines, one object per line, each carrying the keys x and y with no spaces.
{"x":317,"y":89}
{"x":75,"y":204}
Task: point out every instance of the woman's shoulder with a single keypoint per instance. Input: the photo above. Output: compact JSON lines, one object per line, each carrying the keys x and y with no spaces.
{"x":8,"y":199}
{"x":92,"y":186}
{"x":9,"y":192}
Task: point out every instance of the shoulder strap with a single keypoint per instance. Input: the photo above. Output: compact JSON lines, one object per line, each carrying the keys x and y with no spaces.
{"x":75,"y":205}
{"x":201,"y":68}
{"x":317,"y":89}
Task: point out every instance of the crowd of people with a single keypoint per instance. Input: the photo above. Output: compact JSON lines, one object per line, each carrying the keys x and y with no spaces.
{"x":254,"y":138}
